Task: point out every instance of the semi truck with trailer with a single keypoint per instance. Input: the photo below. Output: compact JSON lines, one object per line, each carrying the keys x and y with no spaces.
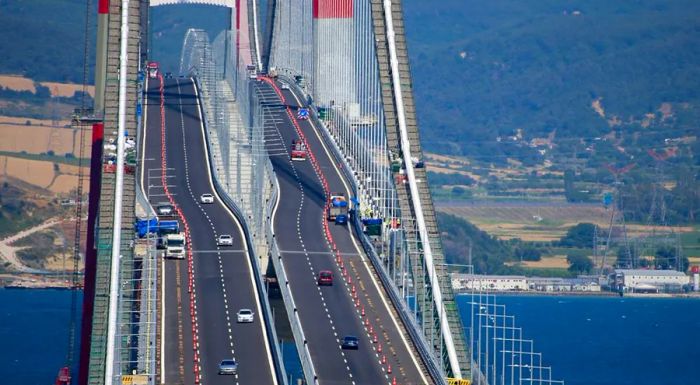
{"x":338,"y":211}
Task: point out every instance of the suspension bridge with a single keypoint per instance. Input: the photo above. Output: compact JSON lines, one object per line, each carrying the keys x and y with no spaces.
{"x":255,"y":140}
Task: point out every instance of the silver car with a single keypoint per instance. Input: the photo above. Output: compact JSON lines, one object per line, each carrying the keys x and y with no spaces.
{"x":228,"y":367}
{"x":206,"y":198}
{"x":224,"y":240}
{"x":245,"y":315}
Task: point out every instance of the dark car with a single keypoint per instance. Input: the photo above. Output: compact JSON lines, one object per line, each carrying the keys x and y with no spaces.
{"x":325,"y":278}
{"x":164,"y":209}
{"x":168,"y":75}
{"x":350,"y":342}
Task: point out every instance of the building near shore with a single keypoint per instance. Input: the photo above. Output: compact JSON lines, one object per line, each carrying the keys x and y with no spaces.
{"x":506,"y":283}
{"x":649,"y":281}
{"x":562,"y":284}
{"x":476,"y":282}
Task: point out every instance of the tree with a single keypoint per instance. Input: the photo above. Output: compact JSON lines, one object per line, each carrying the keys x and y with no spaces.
{"x":527,"y":253}
{"x":579,"y":264}
{"x":665,"y":258}
{"x":580,"y":235}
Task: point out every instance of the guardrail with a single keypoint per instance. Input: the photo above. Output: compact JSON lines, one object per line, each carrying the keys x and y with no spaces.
{"x":401,"y":307}
{"x":261,"y":290}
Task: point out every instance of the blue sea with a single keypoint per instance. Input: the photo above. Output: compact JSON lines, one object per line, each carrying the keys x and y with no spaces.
{"x":33,"y":335}
{"x":611,"y":340}
{"x":586,"y":340}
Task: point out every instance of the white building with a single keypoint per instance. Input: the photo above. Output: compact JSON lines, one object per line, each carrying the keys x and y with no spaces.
{"x":468,"y":282}
{"x":649,"y":280}
{"x":562,"y":284}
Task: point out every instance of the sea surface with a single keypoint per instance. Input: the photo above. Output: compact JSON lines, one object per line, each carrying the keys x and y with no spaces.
{"x":611,"y":340}
{"x":33,"y":335}
{"x":586,"y":340}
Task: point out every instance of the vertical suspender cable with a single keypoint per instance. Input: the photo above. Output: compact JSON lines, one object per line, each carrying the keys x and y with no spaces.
{"x":408,"y":162}
{"x":117,"y":224}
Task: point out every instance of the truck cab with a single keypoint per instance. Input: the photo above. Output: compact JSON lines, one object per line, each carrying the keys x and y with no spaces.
{"x":175,"y":246}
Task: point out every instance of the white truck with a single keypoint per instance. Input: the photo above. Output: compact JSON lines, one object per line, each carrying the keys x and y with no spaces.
{"x":175,"y":246}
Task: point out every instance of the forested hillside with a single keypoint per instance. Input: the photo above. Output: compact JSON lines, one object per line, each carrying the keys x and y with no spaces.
{"x":484,"y":69}
{"x":44,"y":39}
{"x":549,"y":99}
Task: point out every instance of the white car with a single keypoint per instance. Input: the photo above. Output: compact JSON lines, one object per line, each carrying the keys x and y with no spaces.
{"x":206,"y":198}
{"x":245,"y":315}
{"x":284,"y":86}
{"x":224,"y":240}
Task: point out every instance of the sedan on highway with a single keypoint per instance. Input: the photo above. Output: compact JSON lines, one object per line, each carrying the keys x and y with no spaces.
{"x":245,"y":316}
{"x":224,"y":240}
{"x":350,"y":342}
{"x":164,"y":209}
{"x":325,"y":278}
{"x":284,"y":86}
{"x":206,"y":198}
{"x":228,"y":367}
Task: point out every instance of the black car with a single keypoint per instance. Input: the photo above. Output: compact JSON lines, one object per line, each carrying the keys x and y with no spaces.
{"x":350,"y":342}
{"x":168,"y":75}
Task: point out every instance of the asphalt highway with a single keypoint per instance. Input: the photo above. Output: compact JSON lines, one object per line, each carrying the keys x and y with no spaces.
{"x":222,"y":275}
{"x":328,"y":313}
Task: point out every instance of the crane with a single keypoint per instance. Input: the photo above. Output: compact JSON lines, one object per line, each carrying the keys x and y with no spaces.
{"x":64,"y":374}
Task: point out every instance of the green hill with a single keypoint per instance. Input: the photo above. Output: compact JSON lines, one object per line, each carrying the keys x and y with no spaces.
{"x":487,"y":68}
{"x":44,"y":39}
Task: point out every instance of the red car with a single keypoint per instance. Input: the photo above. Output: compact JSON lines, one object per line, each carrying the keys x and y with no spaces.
{"x":325,"y":278}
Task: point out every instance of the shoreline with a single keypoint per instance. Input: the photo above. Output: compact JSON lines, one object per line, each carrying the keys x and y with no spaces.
{"x":602,"y":294}
{"x":32,"y":281}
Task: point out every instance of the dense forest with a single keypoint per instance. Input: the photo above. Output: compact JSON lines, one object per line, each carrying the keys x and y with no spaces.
{"x":581,"y":87}
{"x":45,"y":39}
{"x":484,"y":69}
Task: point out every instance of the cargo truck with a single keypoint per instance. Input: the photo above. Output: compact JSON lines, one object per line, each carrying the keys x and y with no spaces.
{"x":298,"y":150}
{"x":338,"y":211}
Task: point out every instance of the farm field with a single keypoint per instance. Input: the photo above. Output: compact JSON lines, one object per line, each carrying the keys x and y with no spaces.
{"x":529,"y":221}
{"x":544,"y":222}
{"x":56,"y":178}
{"x":36,"y":139}
{"x":19,"y":83}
